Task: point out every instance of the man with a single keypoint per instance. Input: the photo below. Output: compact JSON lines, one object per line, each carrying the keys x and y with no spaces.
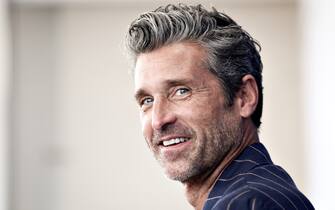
{"x":198,"y":84}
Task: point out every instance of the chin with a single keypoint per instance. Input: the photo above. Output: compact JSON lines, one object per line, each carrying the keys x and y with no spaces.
{"x":181,"y":176}
{"x":178,"y":177}
{"x":175,"y":175}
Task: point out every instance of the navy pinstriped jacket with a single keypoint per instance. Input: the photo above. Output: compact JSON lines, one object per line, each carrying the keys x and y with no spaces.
{"x":253,"y":182}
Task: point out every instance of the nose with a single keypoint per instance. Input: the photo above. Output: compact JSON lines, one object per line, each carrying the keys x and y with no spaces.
{"x":162,"y":114}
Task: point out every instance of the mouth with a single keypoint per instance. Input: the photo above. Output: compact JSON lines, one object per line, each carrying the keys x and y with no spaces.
{"x":174,"y":141}
{"x":174,"y":148}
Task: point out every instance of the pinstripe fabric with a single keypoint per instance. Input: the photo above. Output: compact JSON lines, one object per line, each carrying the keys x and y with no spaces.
{"x":253,"y":182}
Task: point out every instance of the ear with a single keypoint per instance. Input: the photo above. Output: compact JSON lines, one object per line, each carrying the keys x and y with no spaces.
{"x":247,"y":96}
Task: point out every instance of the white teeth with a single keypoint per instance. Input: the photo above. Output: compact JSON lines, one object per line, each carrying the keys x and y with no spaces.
{"x":174,"y":141}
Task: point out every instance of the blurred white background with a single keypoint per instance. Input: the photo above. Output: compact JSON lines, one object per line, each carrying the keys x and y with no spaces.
{"x":70,"y":136}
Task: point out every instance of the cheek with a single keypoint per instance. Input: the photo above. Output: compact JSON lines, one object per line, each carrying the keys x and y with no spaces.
{"x":204,"y":115}
{"x":146,"y":126}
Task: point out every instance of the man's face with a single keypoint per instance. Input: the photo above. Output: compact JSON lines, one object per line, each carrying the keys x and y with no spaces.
{"x":184,"y":116}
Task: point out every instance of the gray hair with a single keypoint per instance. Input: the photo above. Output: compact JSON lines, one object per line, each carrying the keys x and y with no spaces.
{"x":232,"y":52}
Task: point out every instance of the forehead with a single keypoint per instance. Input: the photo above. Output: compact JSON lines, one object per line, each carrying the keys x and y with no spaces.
{"x":179,"y":61}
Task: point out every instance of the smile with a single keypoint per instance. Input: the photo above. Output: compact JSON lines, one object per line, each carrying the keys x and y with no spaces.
{"x":175,"y":141}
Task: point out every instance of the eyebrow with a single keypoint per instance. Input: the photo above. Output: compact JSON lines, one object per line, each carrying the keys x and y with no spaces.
{"x":167,"y":84}
{"x":139,"y":94}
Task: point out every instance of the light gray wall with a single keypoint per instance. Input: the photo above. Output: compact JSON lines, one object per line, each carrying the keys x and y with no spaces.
{"x":33,"y":108}
{"x":5,"y":82}
{"x":76,"y":134}
{"x":318,"y":44}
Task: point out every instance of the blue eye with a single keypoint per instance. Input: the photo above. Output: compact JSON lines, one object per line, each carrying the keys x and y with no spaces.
{"x":146,"y":101}
{"x":182,"y":91}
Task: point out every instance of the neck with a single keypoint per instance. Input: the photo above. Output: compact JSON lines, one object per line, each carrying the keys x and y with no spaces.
{"x":197,"y":190}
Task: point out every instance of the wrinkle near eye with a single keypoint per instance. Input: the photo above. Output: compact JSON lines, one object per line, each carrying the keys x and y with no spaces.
{"x":202,"y":89}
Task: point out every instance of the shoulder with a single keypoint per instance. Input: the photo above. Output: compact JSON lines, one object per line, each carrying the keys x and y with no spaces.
{"x":253,"y":197}
{"x":247,"y":198}
{"x":263,"y":188}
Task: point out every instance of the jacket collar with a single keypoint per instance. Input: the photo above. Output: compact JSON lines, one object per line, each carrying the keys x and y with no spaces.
{"x":251,"y":157}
